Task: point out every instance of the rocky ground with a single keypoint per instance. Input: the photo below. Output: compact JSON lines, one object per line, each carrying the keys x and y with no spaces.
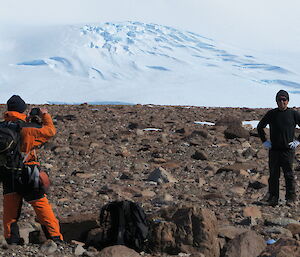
{"x":104,"y":153}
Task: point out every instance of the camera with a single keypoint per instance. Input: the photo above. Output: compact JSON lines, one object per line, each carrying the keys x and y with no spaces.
{"x":34,"y":116}
{"x":35,"y":112}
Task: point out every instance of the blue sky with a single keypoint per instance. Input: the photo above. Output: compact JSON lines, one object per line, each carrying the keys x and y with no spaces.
{"x":255,"y":24}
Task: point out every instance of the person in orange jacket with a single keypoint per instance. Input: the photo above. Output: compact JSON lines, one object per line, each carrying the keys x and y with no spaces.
{"x":32,"y":135}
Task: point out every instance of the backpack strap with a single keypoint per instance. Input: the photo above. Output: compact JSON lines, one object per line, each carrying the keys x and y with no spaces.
{"x":16,"y":153}
{"x":123,"y":208}
{"x":103,"y":210}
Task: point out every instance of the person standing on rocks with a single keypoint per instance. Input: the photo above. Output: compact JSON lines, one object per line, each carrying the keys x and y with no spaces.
{"x":281,"y":146}
{"x":32,"y":136}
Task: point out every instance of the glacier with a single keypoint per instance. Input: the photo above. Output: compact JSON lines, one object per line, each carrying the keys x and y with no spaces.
{"x":135,"y":62}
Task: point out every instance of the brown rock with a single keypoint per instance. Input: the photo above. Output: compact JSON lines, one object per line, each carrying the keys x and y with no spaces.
{"x":198,"y":228}
{"x":76,"y":227}
{"x":117,"y":251}
{"x":228,"y":120}
{"x":262,"y":153}
{"x":230,"y":232}
{"x":294,"y":228}
{"x":236,"y":167}
{"x":248,"y":244}
{"x":252,"y":211}
{"x":284,"y":247}
{"x":238,"y":190}
{"x":162,"y":237}
{"x":199,"y":155}
{"x":234,"y":131}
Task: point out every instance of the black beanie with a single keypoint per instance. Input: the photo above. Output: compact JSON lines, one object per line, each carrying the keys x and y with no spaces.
{"x":282,"y":93}
{"x":16,"y":103}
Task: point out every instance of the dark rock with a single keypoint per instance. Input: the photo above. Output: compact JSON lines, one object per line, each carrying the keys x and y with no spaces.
{"x":161,"y":175}
{"x":133,"y":125}
{"x":77,"y":226}
{"x":180,"y":131}
{"x":229,"y":120}
{"x":234,"y":131}
{"x":199,"y":155}
{"x":257,"y":185}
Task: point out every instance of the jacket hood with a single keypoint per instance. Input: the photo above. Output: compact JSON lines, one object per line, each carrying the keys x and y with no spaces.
{"x":13,"y":116}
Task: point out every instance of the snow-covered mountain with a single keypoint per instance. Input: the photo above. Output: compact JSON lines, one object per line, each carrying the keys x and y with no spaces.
{"x":134,"y":62}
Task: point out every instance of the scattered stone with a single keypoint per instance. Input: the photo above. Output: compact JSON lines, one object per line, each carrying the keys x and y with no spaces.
{"x":252,"y":211}
{"x":238,"y":190}
{"x":62,"y":149}
{"x":234,"y":131}
{"x":294,"y":228}
{"x":77,"y":226}
{"x":118,"y":251}
{"x":230,"y":232}
{"x":160,"y":175}
{"x":257,"y":185}
{"x":228,"y":120}
{"x":279,"y":231}
{"x":284,"y":247}
{"x":280,"y":222}
{"x":49,"y":247}
{"x":79,"y":250}
{"x":93,"y":144}
{"x":199,"y":155}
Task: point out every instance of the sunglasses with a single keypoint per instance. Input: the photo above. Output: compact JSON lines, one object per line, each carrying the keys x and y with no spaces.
{"x":281,"y":99}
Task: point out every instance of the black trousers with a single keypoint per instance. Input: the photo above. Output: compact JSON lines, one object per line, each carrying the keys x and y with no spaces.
{"x":282,"y":159}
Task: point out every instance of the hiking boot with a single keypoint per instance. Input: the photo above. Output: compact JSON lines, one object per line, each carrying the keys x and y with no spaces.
{"x":57,"y":240}
{"x":291,"y":201}
{"x":273,"y":201}
{"x":18,"y":241}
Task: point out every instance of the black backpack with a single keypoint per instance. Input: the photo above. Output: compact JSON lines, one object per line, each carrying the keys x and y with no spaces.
{"x":10,"y":143}
{"x":25,"y":177}
{"x":123,"y":223}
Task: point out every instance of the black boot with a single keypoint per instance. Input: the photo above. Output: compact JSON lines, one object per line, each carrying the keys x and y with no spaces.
{"x":273,"y":201}
{"x":15,"y":238}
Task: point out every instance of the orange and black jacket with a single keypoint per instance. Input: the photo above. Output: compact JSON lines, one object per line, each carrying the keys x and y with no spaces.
{"x":32,"y":137}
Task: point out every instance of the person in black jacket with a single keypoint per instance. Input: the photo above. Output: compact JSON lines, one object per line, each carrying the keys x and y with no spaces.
{"x":281,"y":146}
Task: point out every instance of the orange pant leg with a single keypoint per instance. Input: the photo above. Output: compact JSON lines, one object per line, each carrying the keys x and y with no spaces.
{"x":12,"y":204}
{"x":46,"y":217}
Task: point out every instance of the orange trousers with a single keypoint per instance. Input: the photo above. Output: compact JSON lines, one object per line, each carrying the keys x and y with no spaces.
{"x":12,"y":204}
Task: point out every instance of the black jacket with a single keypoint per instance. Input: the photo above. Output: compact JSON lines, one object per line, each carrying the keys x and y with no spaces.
{"x":282,"y":127}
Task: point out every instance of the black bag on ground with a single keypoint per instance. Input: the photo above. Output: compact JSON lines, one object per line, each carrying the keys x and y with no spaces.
{"x":123,"y":223}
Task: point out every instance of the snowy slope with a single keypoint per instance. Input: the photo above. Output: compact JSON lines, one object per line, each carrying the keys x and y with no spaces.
{"x":134,"y":62}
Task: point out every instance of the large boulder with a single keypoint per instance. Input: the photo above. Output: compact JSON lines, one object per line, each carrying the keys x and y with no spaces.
{"x":163,"y":237}
{"x":248,"y":244}
{"x":187,"y":229}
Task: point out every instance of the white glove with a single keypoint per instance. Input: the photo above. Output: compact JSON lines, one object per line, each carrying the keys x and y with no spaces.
{"x":294,"y":144}
{"x":267,"y":144}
